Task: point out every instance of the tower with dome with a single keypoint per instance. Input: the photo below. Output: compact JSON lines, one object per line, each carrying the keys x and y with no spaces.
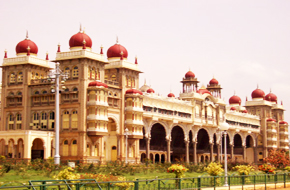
{"x":102,"y":98}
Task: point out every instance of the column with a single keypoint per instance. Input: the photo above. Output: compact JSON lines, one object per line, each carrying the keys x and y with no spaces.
{"x":245,"y":153}
{"x":255,"y":155}
{"x":194,"y":153}
{"x":218,"y":152}
{"x":211,"y":152}
{"x":232,"y":153}
{"x":168,"y":151}
{"x":148,"y":148}
{"x":187,"y":151}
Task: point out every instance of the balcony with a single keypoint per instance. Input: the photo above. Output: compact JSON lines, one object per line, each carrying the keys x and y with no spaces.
{"x":283,"y":133}
{"x":272,"y":138}
{"x":97,"y":117}
{"x":97,"y":103}
{"x":92,"y":131}
{"x":175,"y":118}
{"x":284,"y":140}
{"x":130,"y":108}
{"x":271,"y":130}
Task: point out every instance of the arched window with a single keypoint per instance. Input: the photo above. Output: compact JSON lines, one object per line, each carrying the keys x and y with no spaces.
{"x":36,"y":76}
{"x":35,"y":116}
{"x":65,"y":120}
{"x":12,"y":78}
{"x":98,"y":74}
{"x":41,"y":76}
{"x":66,"y":90}
{"x":96,"y":150}
{"x":36,"y":92}
{"x":67,"y":72}
{"x":75,"y":72}
{"x":11,"y":118}
{"x":32,"y":75}
{"x":75,"y":89}
{"x":89,"y":72}
{"x":65,"y":148}
{"x":51,"y":115}
{"x":74,"y":148}
{"x":51,"y":120}
{"x":18,"y":121}
{"x":113,"y":78}
{"x":20,"y":77}
{"x":43,"y":116}
{"x":93,"y":73}
{"x":19,"y":93}
{"x":74,"y":120}
{"x":11,"y":94}
{"x":44,"y":92}
{"x":88,"y":150}
{"x":18,"y":117}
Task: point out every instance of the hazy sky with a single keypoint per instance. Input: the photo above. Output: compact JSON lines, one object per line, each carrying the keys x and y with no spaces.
{"x":240,"y":43}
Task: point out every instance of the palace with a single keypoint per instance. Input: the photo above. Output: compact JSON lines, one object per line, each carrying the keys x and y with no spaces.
{"x":105,"y":115}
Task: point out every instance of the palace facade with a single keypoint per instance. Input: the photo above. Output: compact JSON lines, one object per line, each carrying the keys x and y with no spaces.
{"x":101,"y":97}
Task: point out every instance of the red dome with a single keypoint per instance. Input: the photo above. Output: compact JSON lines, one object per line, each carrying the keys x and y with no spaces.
{"x":245,"y":111}
{"x":235,"y":100}
{"x":270,"y":120}
{"x":271,"y":97}
{"x":150,"y":90}
{"x":233,"y":108}
{"x":97,"y":83}
{"x":213,"y":81}
{"x":78,"y":39}
{"x":258,"y":93}
{"x":134,"y":91}
{"x":170,"y":95}
{"x":189,"y":74}
{"x":115,"y":51}
{"x":283,"y":122}
{"x":23,"y":45}
{"x":203,"y":91}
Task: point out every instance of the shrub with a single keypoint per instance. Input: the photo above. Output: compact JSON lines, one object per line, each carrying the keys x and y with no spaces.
{"x":214,"y":169}
{"x":67,"y":173}
{"x":244,"y":169}
{"x":177,"y":169}
{"x":267,"y":168}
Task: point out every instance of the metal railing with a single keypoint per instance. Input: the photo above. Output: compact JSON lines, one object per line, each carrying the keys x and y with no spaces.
{"x":195,"y":183}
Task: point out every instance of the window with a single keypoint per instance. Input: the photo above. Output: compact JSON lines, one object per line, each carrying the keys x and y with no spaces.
{"x":36,"y":76}
{"x":65,"y":120}
{"x":74,"y":122}
{"x":88,"y":150}
{"x":75,"y":89}
{"x":32,"y":75}
{"x":75,"y":72}
{"x":44,"y":92}
{"x":113,"y":77}
{"x":65,"y":148}
{"x":51,"y":115}
{"x":67,"y":72}
{"x":98,"y":74}
{"x":66,"y":96}
{"x":11,"y":118}
{"x":19,"y":93}
{"x":74,"y":148}
{"x":12,"y":78}
{"x":36,"y":92}
{"x":43,"y":116}
{"x":89,"y":72}
{"x":93,"y":73}
{"x":18,"y":117}
{"x":20,"y":77}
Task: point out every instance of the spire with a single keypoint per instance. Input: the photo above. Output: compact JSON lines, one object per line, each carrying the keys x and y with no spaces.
{"x":46,"y":56}
{"x":27,"y":35}
{"x":101,"y":50}
{"x":136,"y":62}
{"x":84,"y":44}
{"x":121,"y":55}
{"x":28,"y":51}
{"x":234,"y":92}
{"x":144,"y":81}
{"x":246,"y":98}
{"x":58,"y":47}
{"x":117,"y":40}
{"x":80,"y":28}
{"x":5,"y":53}
{"x":282,"y":103}
{"x":257,"y":86}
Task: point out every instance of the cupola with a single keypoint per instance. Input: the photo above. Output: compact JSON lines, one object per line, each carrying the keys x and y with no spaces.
{"x":76,"y":42}
{"x":26,"y":47}
{"x":117,"y":51}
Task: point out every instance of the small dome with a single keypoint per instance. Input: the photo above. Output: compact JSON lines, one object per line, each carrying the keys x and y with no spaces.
{"x":97,"y":83}
{"x":144,"y":88}
{"x":271,"y":97}
{"x":77,"y":40}
{"x":150,"y":90}
{"x":271,"y":120}
{"x":258,"y":93}
{"x":189,"y":74}
{"x":203,"y":91}
{"x":235,"y":100}
{"x":233,"y":108}
{"x":23,"y":45}
{"x":115,"y":51}
{"x":283,"y":123}
{"x":134,"y":91}
{"x":213,"y":82}
{"x":245,"y":111}
{"x":171,"y":95}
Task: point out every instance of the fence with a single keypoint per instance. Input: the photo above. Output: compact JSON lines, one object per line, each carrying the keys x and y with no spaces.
{"x":196,"y":183}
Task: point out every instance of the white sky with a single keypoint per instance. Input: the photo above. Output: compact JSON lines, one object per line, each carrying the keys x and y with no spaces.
{"x":241,"y":43}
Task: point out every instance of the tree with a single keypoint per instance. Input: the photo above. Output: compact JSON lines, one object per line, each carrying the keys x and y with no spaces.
{"x":278,"y":158}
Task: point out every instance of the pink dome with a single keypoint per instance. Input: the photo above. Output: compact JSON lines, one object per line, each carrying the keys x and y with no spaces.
{"x":283,"y":123}
{"x":235,"y":100}
{"x":213,"y":82}
{"x":233,"y":108}
{"x":245,"y":111}
{"x":150,"y":90}
{"x":23,"y":45}
{"x":189,"y":74}
{"x":171,"y":95}
{"x":258,"y":93}
{"x":77,"y":40}
{"x":203,"y":91}
{"x":134,"y":91}
{"x":115,"y":51}
{"x":271,"y":97}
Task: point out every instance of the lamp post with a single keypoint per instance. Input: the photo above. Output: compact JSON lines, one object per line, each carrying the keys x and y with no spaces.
{"x":224,"y":127}
{"x":57,"y":73}
{"x":126,"y":145}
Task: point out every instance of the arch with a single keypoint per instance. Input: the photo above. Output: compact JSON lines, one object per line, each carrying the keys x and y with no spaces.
{"x":250,"y":141}
{"x":142,"y":142}
{"x":157,"y":158}
{"x":202,"y":140}
{"x":65,"y":148}
{"x":37,"y":149}
{"x":183,"y":130}
{"x":74,"y":147}
{"x":114,"y":153}
{"x":20,"y":148}
{"x":162,"y":158}
{"x":11,"y":150}
{"x":20,"y":76}
{"x":177,"y":143}
{"x":238,"y":140}
{"x":75,"y":72}
{"x":116,"y":120}
{"x":207,"y":131}
{"x":158,"y":137}
{"x":163,"y":125}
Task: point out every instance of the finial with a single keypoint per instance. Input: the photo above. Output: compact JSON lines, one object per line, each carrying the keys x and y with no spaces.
{"x":84,"y":30}
{"x":46,"y":56}
{"x":136,"y":62}
{"x":257,"y":86}
{"x":270,"y":90}
{"x":213,"y":76}
{"x":5,"y":53}
{"x":80,"y":27}
{"x":28,"y":51}
{"x":26,"y":35}
{"x":84,"y":44}
{"x":234,"y":92}
{"x":282,"y":103}
{"x":101,"y":50}
{"x":58,"y":47}
{"x":144,"y":81}
{"x":246,"y":98}
{"x":117,"y":40}
{"x":121,"y":55}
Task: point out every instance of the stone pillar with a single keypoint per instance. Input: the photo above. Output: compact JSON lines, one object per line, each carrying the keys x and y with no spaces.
{"x":211,"y":151}
{"x":232,"y":153}
{"x":186,"y":151}
{"x":245,"y":153}
{"x":255,"y":155}
{"x":218,"y":152}
{"x":168,"y":151}
{"x":194,"y":153}
{"x":148,"y":148}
